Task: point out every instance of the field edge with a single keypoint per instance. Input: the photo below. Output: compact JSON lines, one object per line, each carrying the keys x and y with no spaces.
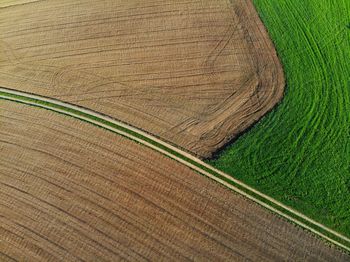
{"x":183,"y":157}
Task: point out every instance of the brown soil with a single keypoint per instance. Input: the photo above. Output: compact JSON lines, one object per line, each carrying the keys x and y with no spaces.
{"x":70,"y":190}
{"x":195,"y":73}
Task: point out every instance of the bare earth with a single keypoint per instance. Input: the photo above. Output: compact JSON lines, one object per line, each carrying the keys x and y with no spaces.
{"x":70,"y":190}
{"x":195,"y":73}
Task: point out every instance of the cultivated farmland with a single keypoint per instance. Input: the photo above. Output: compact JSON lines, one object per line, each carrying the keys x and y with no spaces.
{"x":195,"y":73}
{"x":300,"y":153}
{"x":72,"y":191}
{"x":134,"y":93}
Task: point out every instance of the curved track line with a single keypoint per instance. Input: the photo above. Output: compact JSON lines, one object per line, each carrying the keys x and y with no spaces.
{"x":180,"y":156}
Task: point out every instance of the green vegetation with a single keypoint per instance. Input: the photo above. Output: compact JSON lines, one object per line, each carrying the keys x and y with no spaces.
{"x":300,"y":152}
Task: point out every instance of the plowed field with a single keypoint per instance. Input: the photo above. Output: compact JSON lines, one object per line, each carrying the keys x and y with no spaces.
{"x":195,"y":73}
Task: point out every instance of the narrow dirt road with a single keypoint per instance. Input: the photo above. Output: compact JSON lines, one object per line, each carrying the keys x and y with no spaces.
{"x":180,"y":156}
{"x":73,"y":191}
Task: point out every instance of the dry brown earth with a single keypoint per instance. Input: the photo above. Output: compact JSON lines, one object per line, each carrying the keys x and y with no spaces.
{"x":195,"y":73}
{"x":70,"y":190}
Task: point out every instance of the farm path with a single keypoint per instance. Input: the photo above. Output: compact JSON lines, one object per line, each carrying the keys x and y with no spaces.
{"x":181,"y":156}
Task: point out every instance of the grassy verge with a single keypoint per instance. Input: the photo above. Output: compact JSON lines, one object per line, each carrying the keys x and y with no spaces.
{"x":300,"y":153}
{"x":257,"y":197}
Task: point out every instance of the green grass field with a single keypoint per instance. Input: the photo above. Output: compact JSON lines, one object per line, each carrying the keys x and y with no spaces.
{"x":300,"y":152}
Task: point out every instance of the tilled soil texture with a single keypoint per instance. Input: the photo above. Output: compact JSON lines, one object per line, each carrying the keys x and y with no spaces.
{"x":70,"y":190}
{"x":194,"y":73}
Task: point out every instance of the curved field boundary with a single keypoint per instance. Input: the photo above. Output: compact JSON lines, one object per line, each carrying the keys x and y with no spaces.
{"x":182,"y":157}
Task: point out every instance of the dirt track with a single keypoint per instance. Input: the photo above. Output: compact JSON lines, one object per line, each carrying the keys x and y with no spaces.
{"x":179,"y":156}
{"x":58,"y":200}
{"x":195,"y":73}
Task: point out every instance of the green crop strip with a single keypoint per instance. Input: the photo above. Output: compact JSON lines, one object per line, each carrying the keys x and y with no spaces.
{"x":300,"y":153}
{"x":100,"y":122}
